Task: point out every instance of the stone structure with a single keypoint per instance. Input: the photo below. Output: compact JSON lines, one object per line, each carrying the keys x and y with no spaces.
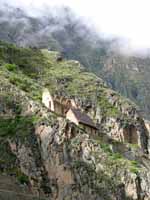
{"x":57,"y":104}
{"x":82,"y":119}
{"x":59,"y":58}
{"x":47,"y":100}
{"x":67,"y":108}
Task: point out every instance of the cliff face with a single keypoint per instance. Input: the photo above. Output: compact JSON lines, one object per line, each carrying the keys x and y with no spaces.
{"x":43,"y":155}
{"x":61,"y":161}
{"x":128,"y":75}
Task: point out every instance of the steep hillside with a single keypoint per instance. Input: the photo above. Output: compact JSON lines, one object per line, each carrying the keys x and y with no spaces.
{"x":70,"y":35}
{"x":130,"y":76}
{"x":59,"y":29}
{"x":43,"y":155}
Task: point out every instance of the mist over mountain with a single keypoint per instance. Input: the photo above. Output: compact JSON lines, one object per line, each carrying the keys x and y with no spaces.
{"x":61,"y":29}
{"x":65,"y":134}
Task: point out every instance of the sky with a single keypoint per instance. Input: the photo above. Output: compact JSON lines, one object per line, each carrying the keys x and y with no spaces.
{"x":122,"y":18}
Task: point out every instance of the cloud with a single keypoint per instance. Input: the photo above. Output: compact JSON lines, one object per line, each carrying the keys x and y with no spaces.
{"x":122,"y":18}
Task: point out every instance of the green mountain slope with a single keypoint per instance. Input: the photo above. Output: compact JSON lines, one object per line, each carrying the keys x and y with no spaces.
{"x":31,"y":70}
{"x":70,"y":35}
{"x":130,"y":76}
{"x":51,"y":158}
{"x":67,"y":33}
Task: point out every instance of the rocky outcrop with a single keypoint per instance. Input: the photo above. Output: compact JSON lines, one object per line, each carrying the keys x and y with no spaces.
{"x":70,"y":158}
{"x":55,"y":159}
{"x":126,"y":126}
{"x":61,"y":161}
{"x":128,"y":74}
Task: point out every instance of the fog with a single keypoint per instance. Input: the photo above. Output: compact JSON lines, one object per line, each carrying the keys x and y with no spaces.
{"x":124,"y":19}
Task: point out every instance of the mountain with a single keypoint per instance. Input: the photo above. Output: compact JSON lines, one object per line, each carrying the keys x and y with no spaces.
{"x":59,"y":29}
{"x":45,"y":156}
{"x":69,"y":34}
{"x":129,"y":75}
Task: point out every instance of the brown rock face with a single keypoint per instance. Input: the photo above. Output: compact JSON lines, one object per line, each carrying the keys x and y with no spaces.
{"x":63,"y":162}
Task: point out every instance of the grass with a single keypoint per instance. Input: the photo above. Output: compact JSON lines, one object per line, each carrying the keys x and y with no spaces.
{"x":134,"y":167}
{"x":105,"y":147}
{"x":26,"y":84}
{"x":134,"y":170}
{"x":7,"y":102}
{"x":99,"y":183}
{"x":116,"y":158}
{"x":21,"y":81}
{"x":29,"y":61}
{"x":107,"y":108}
{"x":134,"y":146}
{"x":7,"y":159}
{"x":22,"y":178}
{"x":19,"y":125}
{"x":30,"y":70}
{"x":10,"y":67}
{"x":109,"y":176}
{"x":81,"y":84}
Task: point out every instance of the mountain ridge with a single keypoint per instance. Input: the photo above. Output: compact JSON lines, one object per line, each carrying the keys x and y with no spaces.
{"x":70,"y":35}
{"x":52,"y":157}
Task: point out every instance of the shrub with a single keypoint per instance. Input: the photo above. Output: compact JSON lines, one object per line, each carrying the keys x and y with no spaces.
{"x":106,"y":148}
{"x":7,"y":158}
{"x":22,"y":83}
{"x":11,"y":67}
{"x":23,"y":179}
{"x":116,"y":156}
{"x":107,"y":108}
{"x":134,"y":170}
{"x":134,"y":166}
{"x":21,"y":126}
{"x":8,"y":102}
{"x":134,"y":163}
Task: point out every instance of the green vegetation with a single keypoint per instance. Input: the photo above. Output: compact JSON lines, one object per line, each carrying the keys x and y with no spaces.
{"x":129,"y":75}
{"x":134,"y":167}
{"x":105,"y":147}
{"x":74,"y":80}
{"x":107,"y":108}
{"x":19,"y":125}
{"x":11,"y":67}
{"x":100,"y":182}
{"x":134,"y":146}
{"x":29,"y":61}
{"x":103,"y":168}
{"x":23,"y":74}
{"x":22,"y":178}
{"x":33,"y":69}
{"x":13,"y":170}
{"x":117,"y":158}
{"x":26,"y":84}
{"x":7,"y":102}
{"x":134,"y":170}
{"x":7,"y":158}
{"x":114,"y":156}
{"x":20,"y":81}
